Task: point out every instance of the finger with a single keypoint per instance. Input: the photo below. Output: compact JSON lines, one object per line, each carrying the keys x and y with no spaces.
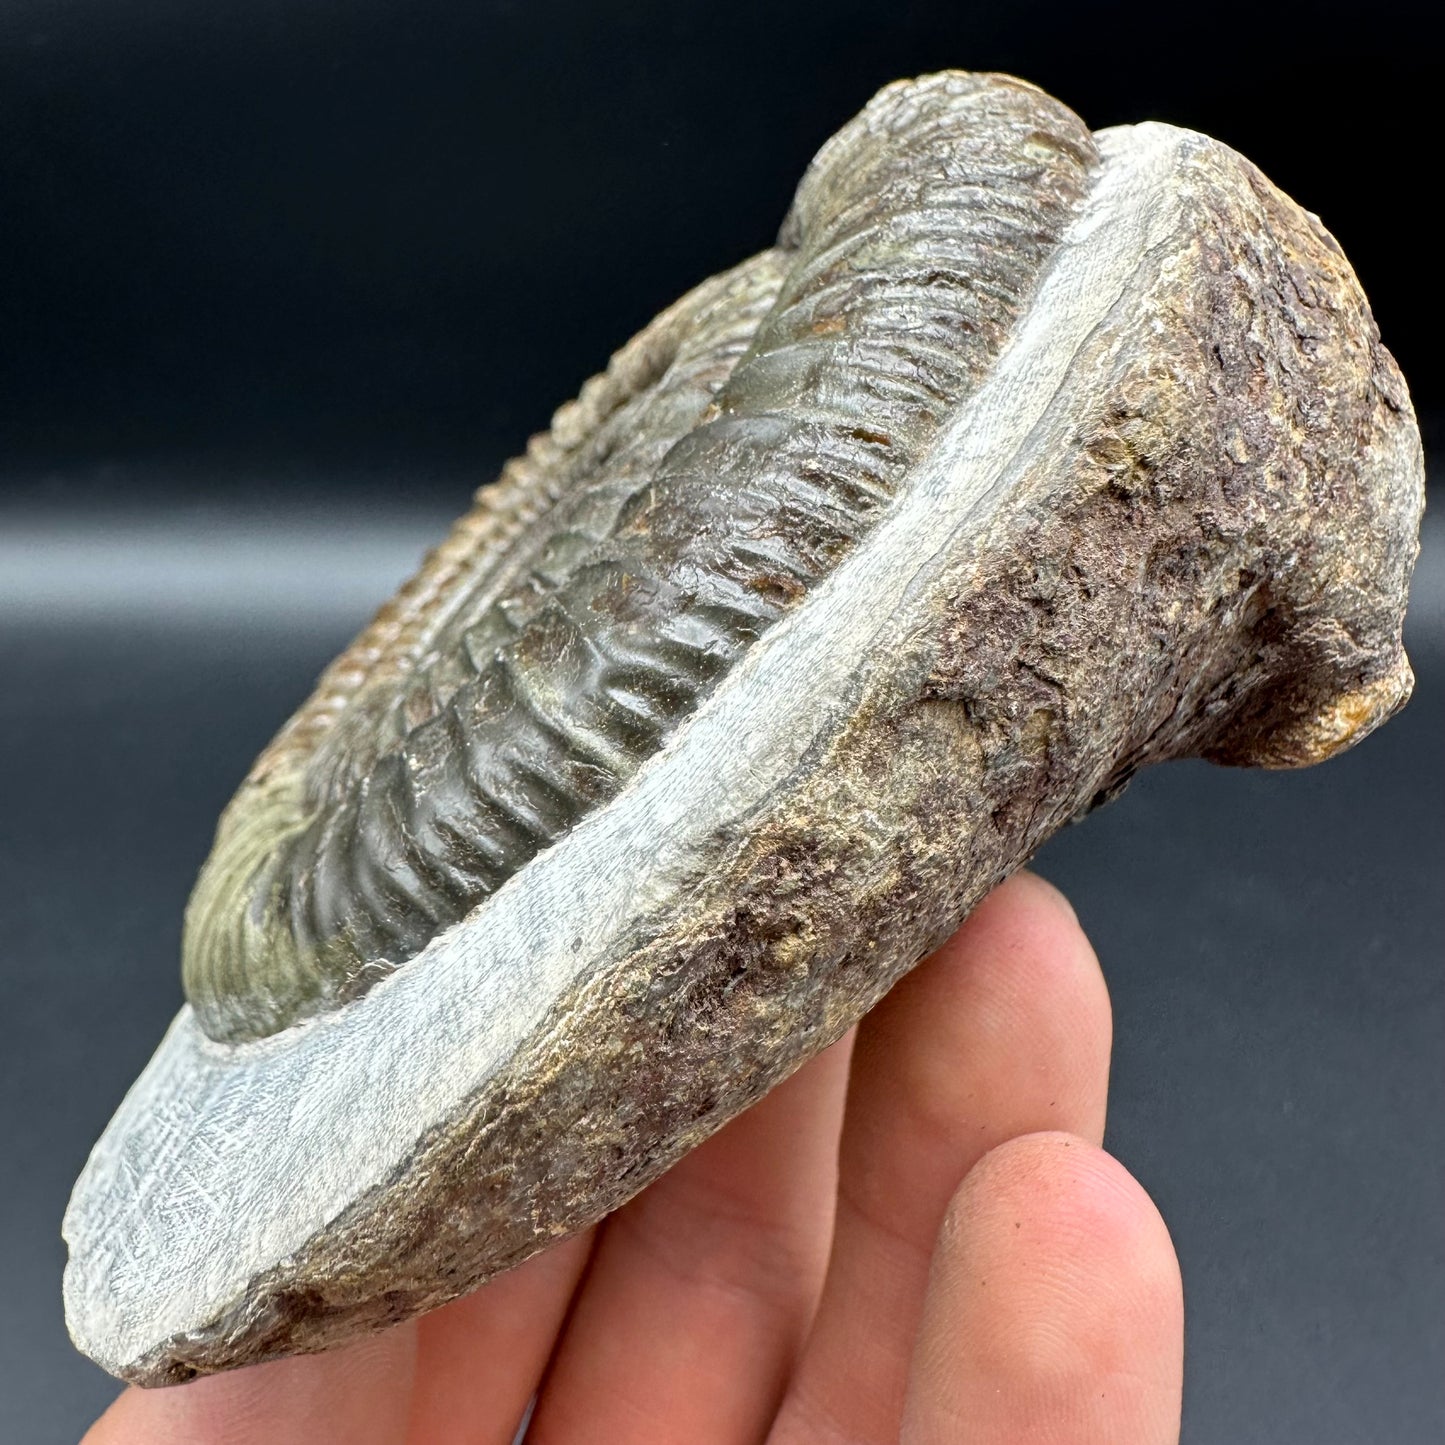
{"x":480,"y":1358}
{"x":358,"y":1395}
{"x":701,"y":1290}
{"x":1004,"y":1031}
{"x":1054,"y":1311}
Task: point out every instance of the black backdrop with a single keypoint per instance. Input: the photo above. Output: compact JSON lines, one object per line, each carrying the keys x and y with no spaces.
{"x":280,"y":282}
{"x":371,"y":235}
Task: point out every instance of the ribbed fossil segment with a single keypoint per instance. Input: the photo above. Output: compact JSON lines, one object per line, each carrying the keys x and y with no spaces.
{"x":777,"y":414}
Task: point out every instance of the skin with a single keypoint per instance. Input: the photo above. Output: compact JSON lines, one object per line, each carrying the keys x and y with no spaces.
{"x":918,"y":1237}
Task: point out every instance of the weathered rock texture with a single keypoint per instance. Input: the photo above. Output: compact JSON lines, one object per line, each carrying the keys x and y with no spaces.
{"x":1028,"y":458}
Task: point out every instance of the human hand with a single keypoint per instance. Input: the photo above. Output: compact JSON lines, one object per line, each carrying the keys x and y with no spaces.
{"x":968,"y":1265}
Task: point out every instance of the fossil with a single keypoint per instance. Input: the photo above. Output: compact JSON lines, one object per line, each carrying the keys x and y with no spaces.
{"x":1028,"y":456}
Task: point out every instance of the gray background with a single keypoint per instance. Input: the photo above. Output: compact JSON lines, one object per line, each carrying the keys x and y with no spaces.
{"x":279,"y":283}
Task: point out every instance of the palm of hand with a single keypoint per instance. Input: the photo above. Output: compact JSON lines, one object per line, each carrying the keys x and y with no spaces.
{"x":966,"y":1265}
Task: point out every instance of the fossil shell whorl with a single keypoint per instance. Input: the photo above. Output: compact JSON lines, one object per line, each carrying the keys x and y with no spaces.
{"x":780,"y":406}
{"x":1027,"y":458}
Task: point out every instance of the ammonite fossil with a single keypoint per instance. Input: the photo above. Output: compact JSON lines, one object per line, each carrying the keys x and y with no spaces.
{"x":1026,"y":457}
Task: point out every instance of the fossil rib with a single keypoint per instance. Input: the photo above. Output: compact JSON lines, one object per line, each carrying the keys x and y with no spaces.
{"x":915,"y":242}
{"x":1026,"y":458}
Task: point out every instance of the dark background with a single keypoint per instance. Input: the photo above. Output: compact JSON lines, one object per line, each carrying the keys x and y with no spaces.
{"x":281,"y":282}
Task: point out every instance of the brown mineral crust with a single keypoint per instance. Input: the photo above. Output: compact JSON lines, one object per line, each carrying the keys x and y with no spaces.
{"x":1207,"y":569}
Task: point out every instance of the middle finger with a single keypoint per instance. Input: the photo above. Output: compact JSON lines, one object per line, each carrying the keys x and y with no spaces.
{"x":702,"y":1289}
{"x":1004,"y":1031}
